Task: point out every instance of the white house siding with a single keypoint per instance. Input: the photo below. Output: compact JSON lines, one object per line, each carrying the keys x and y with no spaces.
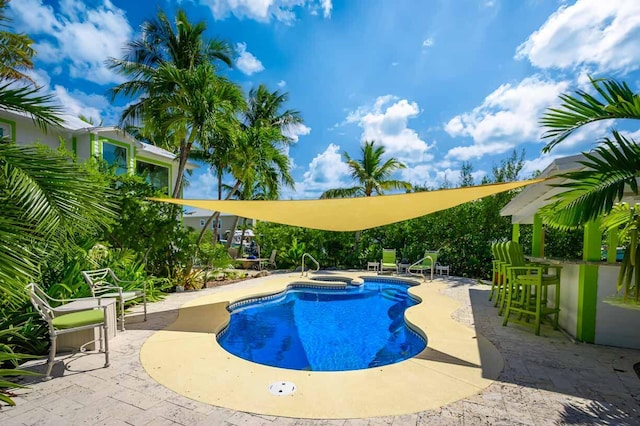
{"x":569,"y":276}
{"x":615,"y":326}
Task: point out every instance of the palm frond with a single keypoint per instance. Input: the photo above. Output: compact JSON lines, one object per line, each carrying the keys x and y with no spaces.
{"x":28,"y":100}
{"x":43,"y":196}
{"x":609,"y":171}
{"x":343,"y":192}
{"x":581,"y":108}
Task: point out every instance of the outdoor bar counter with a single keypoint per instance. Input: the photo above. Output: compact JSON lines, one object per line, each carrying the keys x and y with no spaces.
{"x":587,"y":285}
{"x":584,"y":311}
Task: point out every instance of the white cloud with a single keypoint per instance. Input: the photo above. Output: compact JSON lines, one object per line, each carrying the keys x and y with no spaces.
{"x":265,"y":10}
{"x":632,"y":135}
{"x":465,"y":153}
{"x":76,"y":102}
{"x":97,"y":107}
{"x":419,"y":174}
{"x":281,"y":83}
{"x":79,"y":37}
{"x":326,"y":171}
{"x":246,"y":62}
{"x":601,"y":33}
{"x":294,"y":132}
{"x":507,"y":117}
{"x":326,"y":8}
{"x":388,"y":125}
{"x":202,"y":186}
{"x":428,"y":42}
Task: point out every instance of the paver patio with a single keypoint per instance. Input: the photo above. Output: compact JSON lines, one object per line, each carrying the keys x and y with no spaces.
{"x":547,"y":380}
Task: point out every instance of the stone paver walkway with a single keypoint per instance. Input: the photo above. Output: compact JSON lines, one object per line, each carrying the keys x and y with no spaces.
{"x":547,"y":380}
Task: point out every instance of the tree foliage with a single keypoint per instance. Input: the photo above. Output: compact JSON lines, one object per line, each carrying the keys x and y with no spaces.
{"x":370,"y":173}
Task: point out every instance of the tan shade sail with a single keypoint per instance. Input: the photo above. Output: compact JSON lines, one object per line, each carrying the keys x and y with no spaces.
{"x":351,"y":214}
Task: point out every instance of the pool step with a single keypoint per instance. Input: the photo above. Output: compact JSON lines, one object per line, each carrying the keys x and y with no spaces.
{"x":394,"y":295}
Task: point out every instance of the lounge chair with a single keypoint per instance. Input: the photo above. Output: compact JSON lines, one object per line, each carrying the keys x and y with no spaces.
{"x":427,"y":263}
{"x":104,"y":283}
{"x":271,"y":261}
{"x":63,"y":319}
{"x":388,"y":260}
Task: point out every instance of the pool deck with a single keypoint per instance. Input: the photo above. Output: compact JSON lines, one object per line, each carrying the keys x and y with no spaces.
{"x":546,"y":379}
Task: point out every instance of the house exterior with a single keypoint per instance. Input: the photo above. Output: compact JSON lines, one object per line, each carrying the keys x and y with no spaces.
{"x":197,"y":218}
{"x":109,"y":143}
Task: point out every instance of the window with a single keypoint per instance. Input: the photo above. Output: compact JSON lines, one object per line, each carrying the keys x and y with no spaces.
{"x":158,"y":176}
{"x":201,"y":222}
{"x":213,"y":224}
{"x":116,"y":156}
{"x":5,"y":130}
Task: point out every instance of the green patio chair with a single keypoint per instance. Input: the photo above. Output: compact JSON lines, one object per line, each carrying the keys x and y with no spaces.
{"x":60,"y":321}
{"x":496,"y":278}
{"x":427,"y":263}
{"x":504,"y":262}
{"x":389,"y":260}
{"x":528,"y":290}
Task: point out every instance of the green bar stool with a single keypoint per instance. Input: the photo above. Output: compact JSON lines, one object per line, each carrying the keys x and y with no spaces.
{"x":528,"y":291}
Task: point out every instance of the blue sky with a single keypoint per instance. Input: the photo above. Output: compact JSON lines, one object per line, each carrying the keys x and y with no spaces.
{"x":436,"y":82}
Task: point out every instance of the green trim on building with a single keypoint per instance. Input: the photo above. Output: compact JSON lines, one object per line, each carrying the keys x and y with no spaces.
{"x":130,"y":163}
{"x":12,"y":125}
{"x":161,"y":164}
{"x":537,"y":240}
{"x":92,"y":146}
{"x":592,"y":242}
{"x":515,"y":232}
{"x":612,"y":246}
{"x":74,"y":145}
{"x":588,"y":283}
{"x":587,"y":300}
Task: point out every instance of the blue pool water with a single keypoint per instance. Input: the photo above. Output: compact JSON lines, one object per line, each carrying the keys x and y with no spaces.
{"x":325,"y":329}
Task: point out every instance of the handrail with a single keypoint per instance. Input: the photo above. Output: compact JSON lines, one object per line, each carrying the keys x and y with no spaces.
{"x":315,"y":261}
{"x":418,"y":263}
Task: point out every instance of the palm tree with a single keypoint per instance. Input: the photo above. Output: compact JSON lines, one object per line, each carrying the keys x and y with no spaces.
{"x":264,"y":133}
{"x":43,"y":198}
{"x":371,"y":174}
{"x":15,"y":58}
{"x":256,"y":161}
{"x":165,"y":68}
{"x":610,"y":173}
{"x":15,"y":50}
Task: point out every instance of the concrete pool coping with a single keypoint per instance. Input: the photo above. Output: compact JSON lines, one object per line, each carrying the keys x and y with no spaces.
{"x":457,"y":363}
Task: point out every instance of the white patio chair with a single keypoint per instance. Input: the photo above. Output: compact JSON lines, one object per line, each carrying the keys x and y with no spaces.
{"x":104,"y":283}
{"x":271,"y":261}
{"x":62,"y":323}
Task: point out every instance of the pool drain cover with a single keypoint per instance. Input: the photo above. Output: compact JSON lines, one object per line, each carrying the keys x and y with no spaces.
{"x":282,"y":388}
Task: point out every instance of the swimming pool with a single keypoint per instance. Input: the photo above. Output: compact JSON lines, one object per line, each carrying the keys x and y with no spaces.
{"x":325,"y":329}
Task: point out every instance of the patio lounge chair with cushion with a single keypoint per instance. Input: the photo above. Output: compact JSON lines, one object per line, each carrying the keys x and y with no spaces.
{"x":61,"y":323}
{"x":104,"y":283}
{"x":427,"y":263}
{"x":388,"y":260}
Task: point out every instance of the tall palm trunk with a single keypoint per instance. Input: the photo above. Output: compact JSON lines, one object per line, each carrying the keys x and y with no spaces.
{"x":184,"y":157}
{"x":215,"y":229}
{"x":217,"y":214}
{"x":232,"y":233}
